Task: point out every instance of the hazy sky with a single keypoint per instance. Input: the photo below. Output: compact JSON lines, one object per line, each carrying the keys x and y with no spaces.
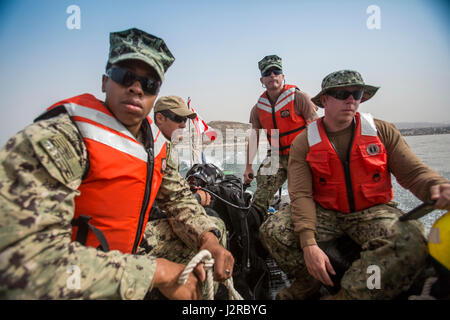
{"x":217,"y":45}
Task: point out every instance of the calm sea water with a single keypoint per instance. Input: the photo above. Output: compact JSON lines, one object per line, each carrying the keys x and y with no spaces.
{"x":433,"y":150}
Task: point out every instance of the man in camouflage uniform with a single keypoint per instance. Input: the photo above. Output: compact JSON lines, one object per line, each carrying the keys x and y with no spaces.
{"x":296,"y":109}
{"x":41,"y":170}
{"x":171,"y":114}
{"x":394,"y":249}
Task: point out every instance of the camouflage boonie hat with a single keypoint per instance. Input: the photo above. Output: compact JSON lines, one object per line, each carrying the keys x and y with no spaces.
{"x":344,"y":78}
{"x":269,"y":62}
{"x":174,"y":104}
{"x":139,"y":45}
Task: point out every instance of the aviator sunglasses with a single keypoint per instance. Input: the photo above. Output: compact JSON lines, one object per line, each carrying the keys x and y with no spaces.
{"x":127,"y":78}
{"x":276,"y":72}
{"x":172,"y":116}
{"x":344,"y":94}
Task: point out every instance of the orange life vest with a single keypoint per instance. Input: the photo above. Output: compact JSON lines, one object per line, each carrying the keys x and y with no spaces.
{"x":123,"y":179}
{"x":357,"y":184}
{"x":280,"y":121}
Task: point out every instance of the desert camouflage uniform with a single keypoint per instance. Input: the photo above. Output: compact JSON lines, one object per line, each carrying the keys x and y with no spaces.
{"x":398,"y":248}
{"x":41,"y":169}
{"x":268,"y":184}
{"x":272,"y":173}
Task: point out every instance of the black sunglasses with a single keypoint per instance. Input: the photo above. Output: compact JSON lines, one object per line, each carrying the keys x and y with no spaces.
{"x":127,"y":78}
{"x":276,"y":72}
{"x":172,"y":116}
{"x":344,"y":94}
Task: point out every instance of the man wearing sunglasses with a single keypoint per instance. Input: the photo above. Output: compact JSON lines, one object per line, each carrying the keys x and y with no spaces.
{"x":171,"y":115}
{"x":77,"y":187}
{"x":339,"y":181}
{"x":282,"y":111}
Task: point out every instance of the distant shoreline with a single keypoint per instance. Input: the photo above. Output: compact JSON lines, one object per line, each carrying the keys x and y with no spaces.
{"x":425,"y":131}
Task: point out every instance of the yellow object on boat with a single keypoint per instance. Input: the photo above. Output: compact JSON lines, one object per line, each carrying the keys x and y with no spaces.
{"x":439,"y":240}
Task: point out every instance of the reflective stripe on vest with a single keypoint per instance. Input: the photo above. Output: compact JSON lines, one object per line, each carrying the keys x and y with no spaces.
{"x":358,"y":184}
{"x":281,"y":122}
{"x":123,"y":179}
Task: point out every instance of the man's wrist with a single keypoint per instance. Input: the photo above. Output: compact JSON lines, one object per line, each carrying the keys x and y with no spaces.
{"x":197,"y":196}
{"x":216,"y":232}
{"x":213,"y":234}
{"x":307,"y":238}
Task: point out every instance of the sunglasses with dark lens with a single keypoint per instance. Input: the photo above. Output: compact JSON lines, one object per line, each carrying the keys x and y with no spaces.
{"x":174,"y":117}
{"x":344,"y":94}
{"x":127,"y":78}
{"x":276,"y":72}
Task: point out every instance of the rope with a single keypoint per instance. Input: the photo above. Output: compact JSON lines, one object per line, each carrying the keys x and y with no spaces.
{"x":425,"y":295}
{"x":205,"y":257}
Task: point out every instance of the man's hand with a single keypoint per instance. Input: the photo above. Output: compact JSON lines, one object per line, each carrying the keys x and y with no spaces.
{"x":441,"y":193}
{"x":205,"y":198}
{"x":223,"y":259}
{"x":318,"y":264}
{"x":166,"y":280}
{"x":248,"y":174}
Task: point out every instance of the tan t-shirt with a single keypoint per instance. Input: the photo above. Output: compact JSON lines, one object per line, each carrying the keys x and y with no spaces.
{"x":411,"y":173}
{"x":303,"y":107}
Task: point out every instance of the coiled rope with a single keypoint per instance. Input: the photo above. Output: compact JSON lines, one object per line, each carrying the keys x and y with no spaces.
{"x":205,"y":257}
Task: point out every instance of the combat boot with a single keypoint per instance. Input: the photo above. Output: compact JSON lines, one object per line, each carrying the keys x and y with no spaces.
{"x":300,"y":290}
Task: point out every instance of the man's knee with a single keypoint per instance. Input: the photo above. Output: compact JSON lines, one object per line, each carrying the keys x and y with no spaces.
{"x":278,"y":232}
{"x":270,"y":231}
{"x":412,"y":244}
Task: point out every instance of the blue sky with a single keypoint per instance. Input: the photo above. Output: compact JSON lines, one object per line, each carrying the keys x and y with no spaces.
{"x":217,"y":45}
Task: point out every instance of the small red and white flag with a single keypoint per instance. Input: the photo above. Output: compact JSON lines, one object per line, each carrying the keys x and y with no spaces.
{"x":201,"y":126}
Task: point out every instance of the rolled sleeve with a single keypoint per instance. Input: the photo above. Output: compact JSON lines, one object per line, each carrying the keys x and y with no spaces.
{"x":137,"y":278}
